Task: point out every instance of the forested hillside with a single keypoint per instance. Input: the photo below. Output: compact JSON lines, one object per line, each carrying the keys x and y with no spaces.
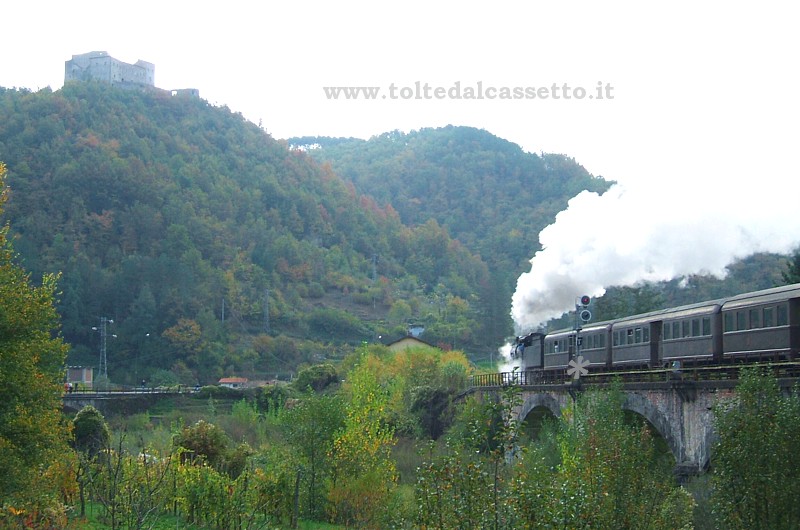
{"x":496,"y":198}
{"x":216,"y":249}
{"x":487,"y":192}
{"x":213,"y":247}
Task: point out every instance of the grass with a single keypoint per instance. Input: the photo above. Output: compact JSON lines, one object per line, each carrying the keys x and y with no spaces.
{"x":93,"y":521}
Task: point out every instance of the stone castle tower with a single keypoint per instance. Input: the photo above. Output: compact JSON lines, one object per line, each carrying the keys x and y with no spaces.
{"x":100,"y":66}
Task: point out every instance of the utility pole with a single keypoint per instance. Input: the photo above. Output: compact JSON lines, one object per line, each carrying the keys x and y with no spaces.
{"x":374,"y":278}
{"x":266,"y":311}
{"x":103,"y":368}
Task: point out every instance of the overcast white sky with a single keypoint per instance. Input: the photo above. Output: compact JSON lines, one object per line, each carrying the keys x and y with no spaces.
{"x":703,"y":92}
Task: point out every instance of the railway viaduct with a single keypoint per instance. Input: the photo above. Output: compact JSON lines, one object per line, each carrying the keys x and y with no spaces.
{"x":681,"y":411}
{"x":114,"y":402}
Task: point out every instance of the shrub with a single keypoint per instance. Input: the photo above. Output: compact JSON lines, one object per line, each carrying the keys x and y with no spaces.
{"x":317,"y":377}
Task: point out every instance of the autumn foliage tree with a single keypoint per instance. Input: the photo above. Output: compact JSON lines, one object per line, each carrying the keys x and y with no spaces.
{"x":364,"y":474}
{"x":32,"y":437}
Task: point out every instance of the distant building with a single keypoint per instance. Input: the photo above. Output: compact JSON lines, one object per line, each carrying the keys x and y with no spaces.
{"x":100,"y":66}
{"x":233,"y":382}
{"x":408,"y":342}
{"x":80,"y":376}
{"x":186,"y":92}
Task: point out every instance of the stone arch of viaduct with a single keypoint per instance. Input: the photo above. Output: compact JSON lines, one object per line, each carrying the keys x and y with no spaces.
{"x":682,"y":413}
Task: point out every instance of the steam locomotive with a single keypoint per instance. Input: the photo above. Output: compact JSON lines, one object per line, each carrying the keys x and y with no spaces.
{"x":752,"y":327}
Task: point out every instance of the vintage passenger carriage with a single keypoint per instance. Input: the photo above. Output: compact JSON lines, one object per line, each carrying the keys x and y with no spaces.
{"x":751,"y":327}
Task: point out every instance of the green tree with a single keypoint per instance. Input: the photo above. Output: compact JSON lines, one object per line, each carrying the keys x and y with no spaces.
{"x":592,"y":470}
{"x":311,"y":427}
{"x":90,"y":436}
{"x":205,"y":440}
{"x":610,"y":474}
{"x":429,"y":404}
{"x":400,"y":312}
{"x":623,"y":301}
{"x":32,"y":437}
{"x":756,"y":463}
{"x":792,"y":272}
{"x":468,"y":486}
{"x":132,"y":487}
{"x":317,"y":377}
{"x":90,"y":431}
{"x":163,"y":377}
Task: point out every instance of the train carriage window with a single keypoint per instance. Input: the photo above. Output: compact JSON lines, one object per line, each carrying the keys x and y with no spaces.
{"x":637,"y":336}
{"x":646,"y":335}
{"x":667,"y":331}
{"x":769,"y":320}
{"x":706,"y":326}
{"x":601,"y":343}
{"x":741,"y":320}
{"x":615,"y":338}
{"x":729,"y":322}
{"x":676,"y":330}
{"x":629,"y":334}
{"x":783,"y":315}
{"x":685,"y":331}
{"x":755,"y":318}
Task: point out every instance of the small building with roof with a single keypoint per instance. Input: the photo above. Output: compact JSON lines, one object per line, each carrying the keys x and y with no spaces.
{"x":233,"y":382}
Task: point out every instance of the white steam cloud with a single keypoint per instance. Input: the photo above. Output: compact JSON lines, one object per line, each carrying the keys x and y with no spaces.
{"x":627,"y":235}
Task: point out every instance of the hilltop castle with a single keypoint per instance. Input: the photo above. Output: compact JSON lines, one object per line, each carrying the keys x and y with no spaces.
{"x":100,"y":66}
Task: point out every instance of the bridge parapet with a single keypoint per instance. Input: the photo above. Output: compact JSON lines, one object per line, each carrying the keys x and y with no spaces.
{"x":727,"y":372}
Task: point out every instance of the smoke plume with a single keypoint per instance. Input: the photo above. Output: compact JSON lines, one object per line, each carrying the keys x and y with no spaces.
{"x":630,"y":235}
